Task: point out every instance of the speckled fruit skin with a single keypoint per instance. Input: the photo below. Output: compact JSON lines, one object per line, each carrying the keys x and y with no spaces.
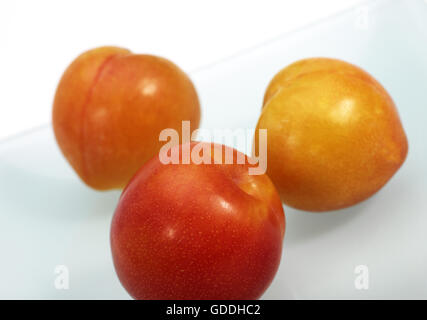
{"x":188,"y":231}
{"x":109,"y":109}
{"x":334,"y":134}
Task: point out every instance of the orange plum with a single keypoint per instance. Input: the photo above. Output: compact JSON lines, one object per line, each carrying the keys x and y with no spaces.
{"x":334,"y":134}
{"x":109,"y":109}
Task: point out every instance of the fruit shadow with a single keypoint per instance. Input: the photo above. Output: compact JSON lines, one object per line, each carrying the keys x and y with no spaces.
{"x":302,"y":226}
{"x":25,"y":193}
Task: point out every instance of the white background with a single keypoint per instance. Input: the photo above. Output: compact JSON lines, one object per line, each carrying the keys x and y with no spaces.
{"x":38,"y":39}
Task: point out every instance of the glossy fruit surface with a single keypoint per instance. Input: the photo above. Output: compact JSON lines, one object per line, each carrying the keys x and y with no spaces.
{"x":334,"y":134}
{"x":109,"y":109}
{"x":197,"y":231}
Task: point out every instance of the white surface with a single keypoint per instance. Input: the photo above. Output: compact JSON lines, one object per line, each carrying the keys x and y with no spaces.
{"x":48,"y":217}
{"x":38,"y":39}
